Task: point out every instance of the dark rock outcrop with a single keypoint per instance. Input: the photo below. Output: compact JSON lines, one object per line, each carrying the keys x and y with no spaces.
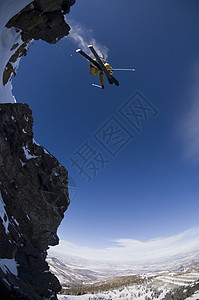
{"x":33,"y":199}
{"x":41,"y":19}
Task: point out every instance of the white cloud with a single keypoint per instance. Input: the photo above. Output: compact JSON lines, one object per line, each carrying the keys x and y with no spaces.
{"x":131,"y":250}
{"x":83,"y":37}
{"x":188,"y":127}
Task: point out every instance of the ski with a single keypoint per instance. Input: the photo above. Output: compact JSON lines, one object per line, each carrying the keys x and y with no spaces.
{"x":96,"y":85}
{"x":110,"y":78}
{"x":89,"y":58}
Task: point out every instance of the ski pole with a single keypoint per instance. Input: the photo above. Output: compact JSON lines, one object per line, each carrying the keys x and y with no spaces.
{"x":121,"y":69}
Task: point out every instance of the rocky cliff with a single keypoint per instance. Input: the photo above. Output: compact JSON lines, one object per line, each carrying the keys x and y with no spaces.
{"x":33,"y":184}
{"x":34,"y":197}
{"x":41,"y":19}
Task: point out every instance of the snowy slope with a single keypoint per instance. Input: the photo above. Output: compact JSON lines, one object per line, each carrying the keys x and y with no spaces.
{"x":194,"y":297}
{"x":156,"y":280}
{"x":116,"y":295}
{"x":8,"y":37}
{"x":152,"y":288}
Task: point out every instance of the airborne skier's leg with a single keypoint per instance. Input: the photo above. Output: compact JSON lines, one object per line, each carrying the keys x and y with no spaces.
{"x":93,"y":70}
{"x":101,"y":78}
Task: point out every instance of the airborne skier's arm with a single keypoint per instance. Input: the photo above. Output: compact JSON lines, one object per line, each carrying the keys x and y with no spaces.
{"x":109,"y":68}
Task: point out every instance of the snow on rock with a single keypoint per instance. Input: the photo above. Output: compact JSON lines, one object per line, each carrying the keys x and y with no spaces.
{"x":8,"y":38}
{"x":33,"y":140}
{"x":9,"y":265}
{"x":27,"y":153}
{"x":3,"y":214}
{"x":21,"y":22}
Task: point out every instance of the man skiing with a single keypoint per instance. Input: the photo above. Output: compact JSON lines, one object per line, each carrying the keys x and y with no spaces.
{"x":99,"y":66}
{"x":94,"y":71}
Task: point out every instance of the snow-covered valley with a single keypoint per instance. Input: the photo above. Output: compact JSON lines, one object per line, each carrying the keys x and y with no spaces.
{"x":184,"y":285}
{"x":83,"y":279}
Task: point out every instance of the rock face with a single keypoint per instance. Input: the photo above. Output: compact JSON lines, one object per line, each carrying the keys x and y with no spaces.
{"x":33,"y":185}
{"x":41,"y":19}
{"x":33,"y":199}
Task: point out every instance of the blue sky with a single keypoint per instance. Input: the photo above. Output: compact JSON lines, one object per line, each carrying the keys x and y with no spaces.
{"x":149,"y":189}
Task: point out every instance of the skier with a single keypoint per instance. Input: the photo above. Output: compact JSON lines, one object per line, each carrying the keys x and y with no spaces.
{"x":99,"y":66}
{"x":94,"y":71}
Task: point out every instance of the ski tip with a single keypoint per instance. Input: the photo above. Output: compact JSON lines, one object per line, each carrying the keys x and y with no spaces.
{"x":89,"y":46}
{"x":78,"y":50}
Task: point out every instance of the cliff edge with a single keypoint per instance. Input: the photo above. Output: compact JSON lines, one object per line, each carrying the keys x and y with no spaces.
{"x":33,"y":199}
{"x":21,"y":22}
{"x":33,"y":184}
